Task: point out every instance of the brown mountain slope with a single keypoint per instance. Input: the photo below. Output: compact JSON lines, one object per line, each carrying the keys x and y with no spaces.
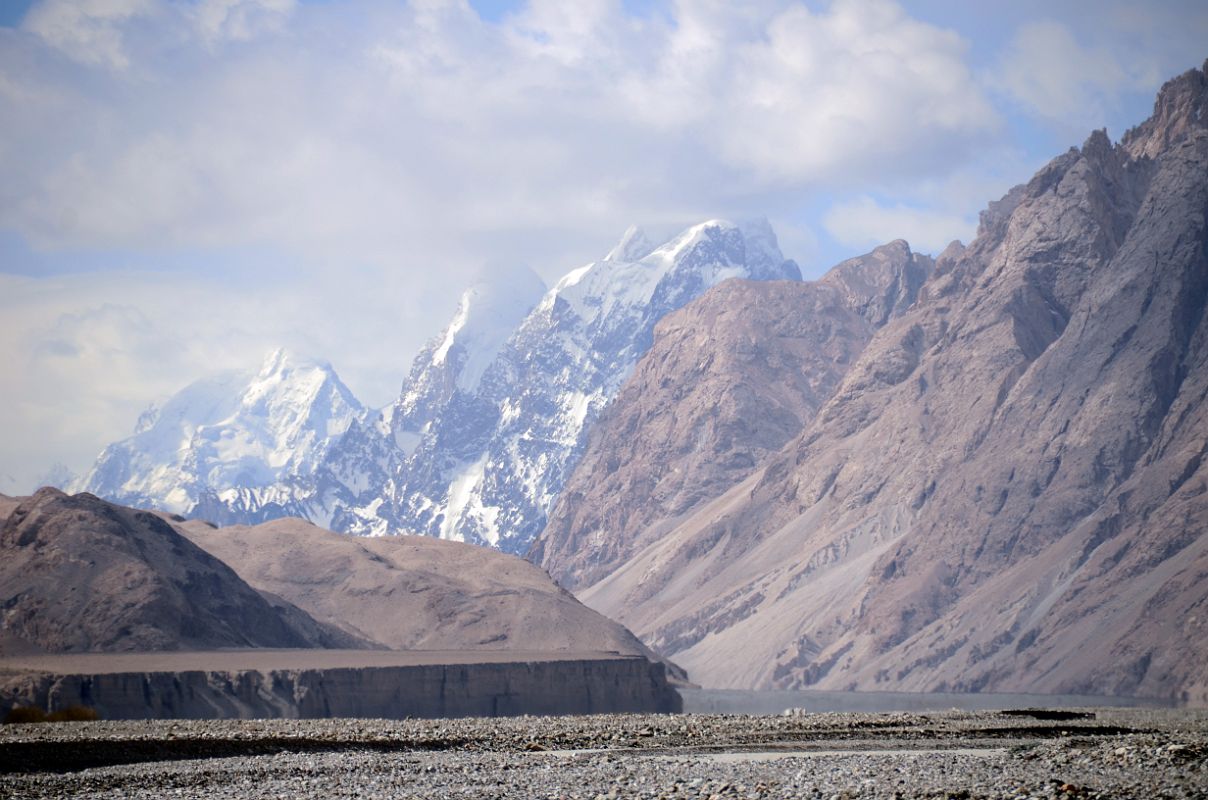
{"x":7,"y":506}
{"x":79,"y":574}
{"x":730,"y":378}
{"x":1007,"y":491}
{"x":413,"y":592}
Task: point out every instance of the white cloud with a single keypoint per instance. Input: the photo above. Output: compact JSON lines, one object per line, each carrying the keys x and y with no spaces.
{"x":364,"y":133}
{"x":853,"y":91}
{"x":371,"y":155}
{"x":88,"y":31}
{"x":240,"y":20}
{"x":864,"y":223}
{"x":1054,"y":76}
{"x":1076,"y":74}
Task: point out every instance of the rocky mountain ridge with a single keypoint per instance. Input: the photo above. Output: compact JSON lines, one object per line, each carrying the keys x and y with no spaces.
{"x":1006,"y":490}
{"x":731,"y":378}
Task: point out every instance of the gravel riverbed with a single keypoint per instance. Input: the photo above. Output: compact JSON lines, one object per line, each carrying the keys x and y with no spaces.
{"x":1108,"y":753}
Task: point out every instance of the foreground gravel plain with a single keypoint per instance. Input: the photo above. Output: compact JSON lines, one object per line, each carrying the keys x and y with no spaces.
{"x":1106,"y":753}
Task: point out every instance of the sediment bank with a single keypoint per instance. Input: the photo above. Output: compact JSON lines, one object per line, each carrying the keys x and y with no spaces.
{"x":318,"y":684}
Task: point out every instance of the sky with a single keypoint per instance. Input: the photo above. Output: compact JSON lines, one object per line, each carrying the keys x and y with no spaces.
{"x":187,"y":184}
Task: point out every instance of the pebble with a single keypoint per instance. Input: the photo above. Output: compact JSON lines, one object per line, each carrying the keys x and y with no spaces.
{"x":1116,"y":754}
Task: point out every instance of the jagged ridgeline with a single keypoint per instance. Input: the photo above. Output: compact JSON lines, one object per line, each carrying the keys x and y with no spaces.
{"x":1005,"y":490}
{"x":489,"y":423}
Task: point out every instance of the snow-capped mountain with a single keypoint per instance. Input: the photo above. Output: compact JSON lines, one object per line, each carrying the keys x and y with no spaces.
{"x":232,"y":432}
{"x":567,"y":359}
{"x":440,"y":417}
{"x":489,"y":423}
{"x":483,"y":452}
{"x":453,"y":364}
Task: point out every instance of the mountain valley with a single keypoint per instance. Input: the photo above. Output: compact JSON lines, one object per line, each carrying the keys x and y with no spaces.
{"x":979,"y":472}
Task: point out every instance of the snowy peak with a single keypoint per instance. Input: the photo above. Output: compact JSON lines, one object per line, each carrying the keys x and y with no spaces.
{"x":297,"y":397}
{"x":282,"y":361}
{"x":634,"y":246}
{"x":276,"y":362}
{"x":670,"y":274}
{"x":286,"y":416}
{"x":233,"y":429}
{"x":486,"y":315}
{"x":455,"y":362}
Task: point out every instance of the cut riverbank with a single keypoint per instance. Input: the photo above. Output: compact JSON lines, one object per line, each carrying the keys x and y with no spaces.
{"x":308,"y":684}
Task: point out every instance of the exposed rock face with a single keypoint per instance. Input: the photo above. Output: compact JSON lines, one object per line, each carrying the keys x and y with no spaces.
{"x":232,"y":437}
{"x":79,"y":574}
{"x":1007,"y":491}
{"x":731,"y":378}
{"x":881,"y":285}
{"x":456,"y":689}
{"x":7,"y":506}
{"x":413,"y":592}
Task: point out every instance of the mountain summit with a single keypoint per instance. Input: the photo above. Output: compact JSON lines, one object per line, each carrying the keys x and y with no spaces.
{"x":229,"y":433}
{"x":483,"y":460}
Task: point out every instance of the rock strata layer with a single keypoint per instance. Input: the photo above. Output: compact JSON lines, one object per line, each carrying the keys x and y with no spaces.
{"x":481,"y":689}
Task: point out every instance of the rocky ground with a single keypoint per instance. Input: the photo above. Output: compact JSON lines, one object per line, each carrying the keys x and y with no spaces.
{"x":1103,"y":754}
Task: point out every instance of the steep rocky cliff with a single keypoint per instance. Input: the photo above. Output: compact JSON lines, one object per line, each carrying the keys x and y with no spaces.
{"x":730,"y":379}
{"x":1007,"y":491}
{"x":297,"y":685}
